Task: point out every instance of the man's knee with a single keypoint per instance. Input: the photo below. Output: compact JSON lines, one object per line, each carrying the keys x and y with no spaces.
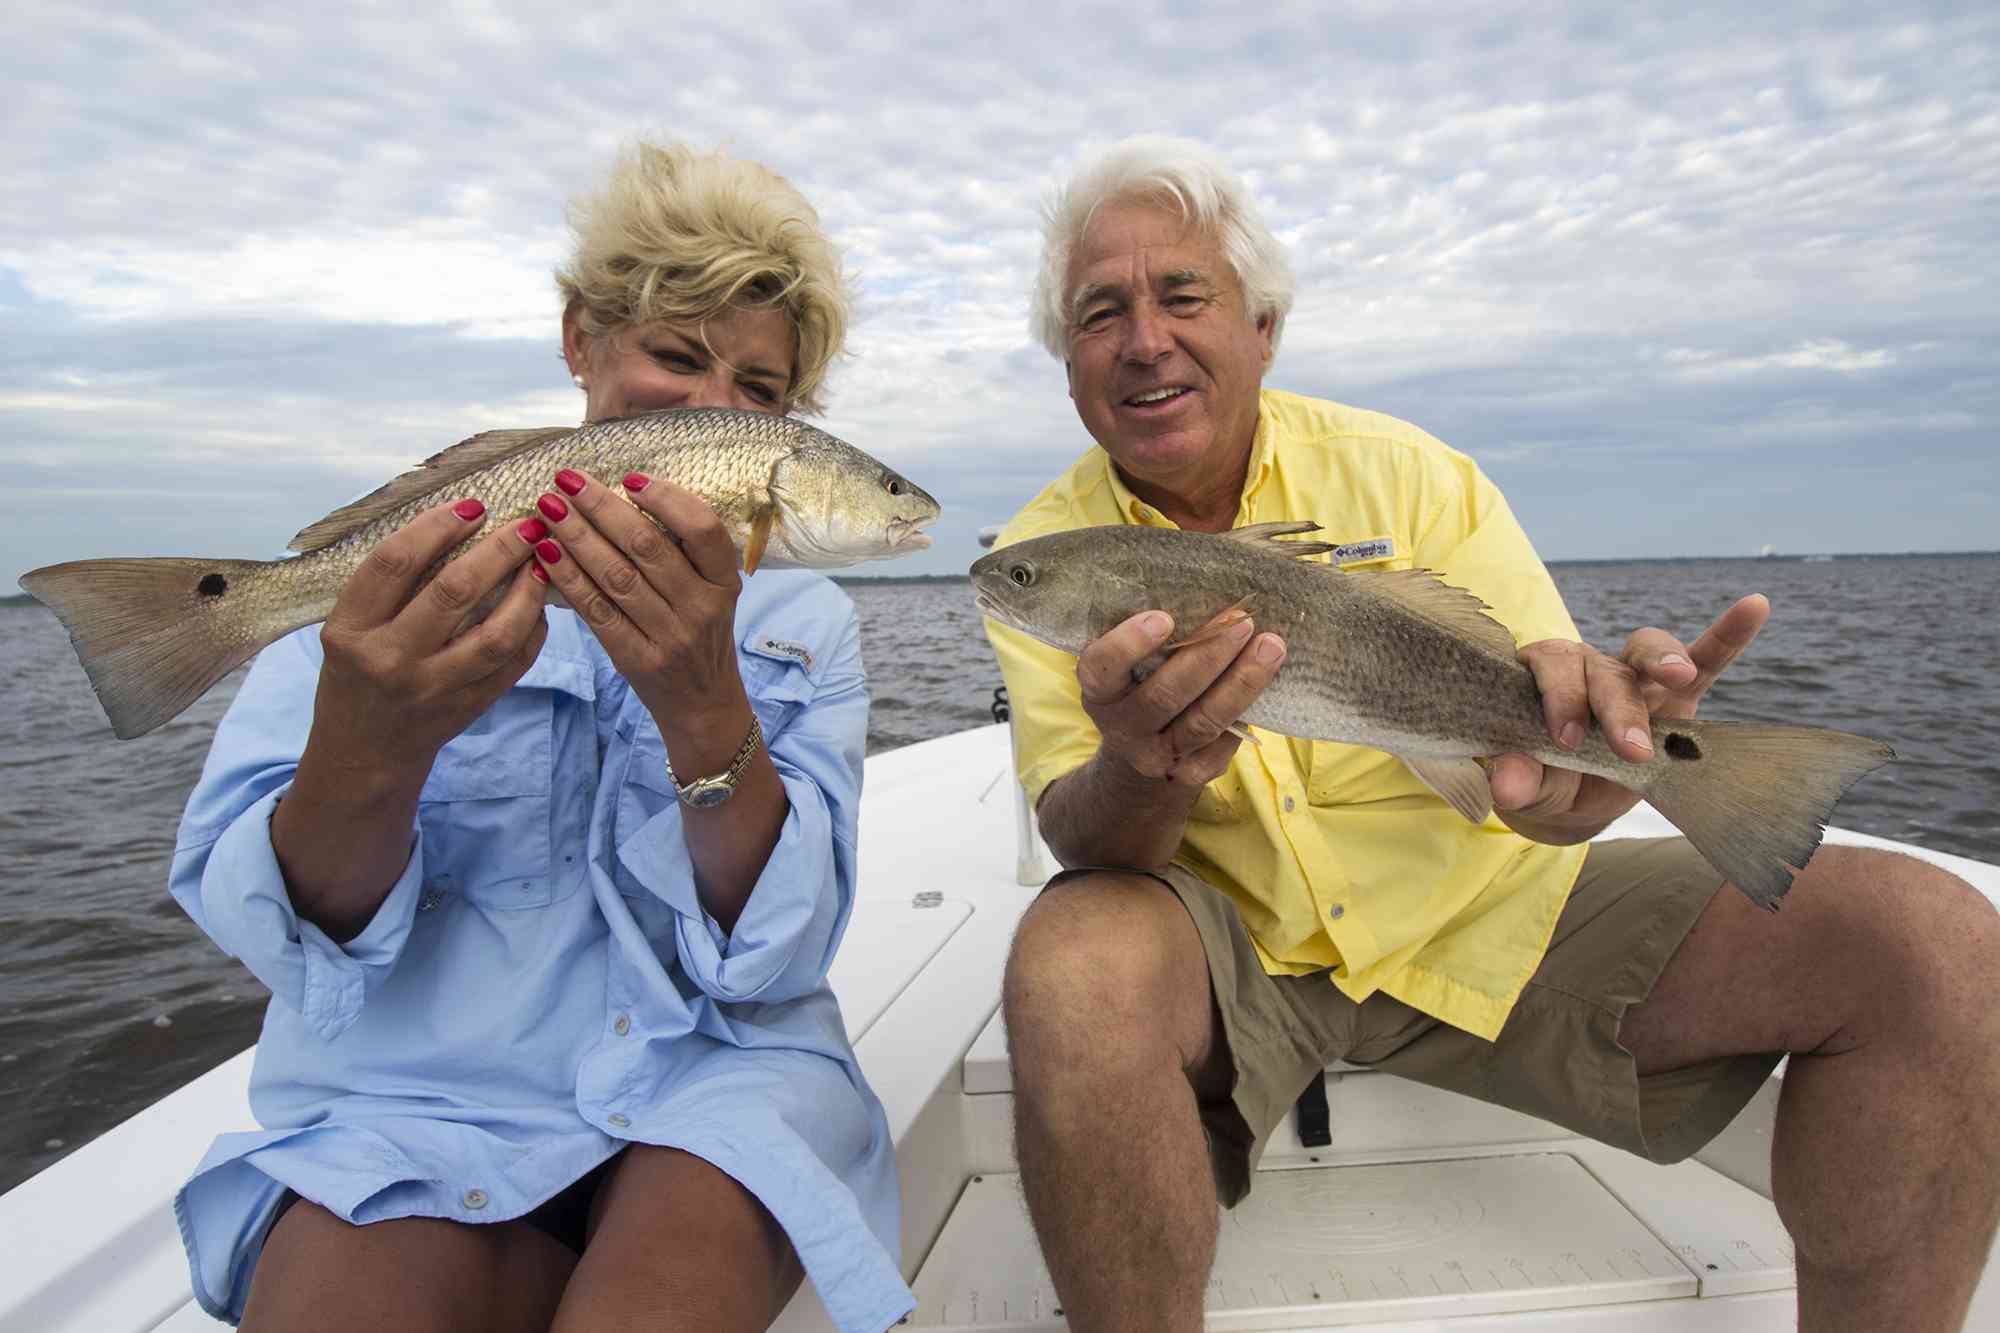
{"x":1109,"y":960}
{"x":1928,"y":942}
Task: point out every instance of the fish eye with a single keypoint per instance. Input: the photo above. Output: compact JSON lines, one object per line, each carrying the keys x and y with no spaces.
{"x":1023,"y":575}
{"x":896,"y":486}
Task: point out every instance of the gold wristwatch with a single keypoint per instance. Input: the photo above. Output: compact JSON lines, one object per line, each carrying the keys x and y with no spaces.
{"x":706,"y":793}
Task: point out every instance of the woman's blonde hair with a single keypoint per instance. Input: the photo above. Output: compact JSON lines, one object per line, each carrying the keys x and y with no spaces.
{"x":682,"y":235}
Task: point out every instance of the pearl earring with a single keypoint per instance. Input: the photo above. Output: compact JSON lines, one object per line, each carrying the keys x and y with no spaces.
{"x":577,"y":380}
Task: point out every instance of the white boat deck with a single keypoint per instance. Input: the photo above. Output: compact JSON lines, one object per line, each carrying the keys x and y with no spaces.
{"x":1428,"y":1211}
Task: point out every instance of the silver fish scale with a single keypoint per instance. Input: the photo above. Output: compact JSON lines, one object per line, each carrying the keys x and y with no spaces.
{"x":723,"y":455}
{"x":1360,"y":666}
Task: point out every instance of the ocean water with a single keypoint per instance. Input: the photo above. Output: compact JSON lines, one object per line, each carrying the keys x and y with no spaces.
{"x":110,"y":998}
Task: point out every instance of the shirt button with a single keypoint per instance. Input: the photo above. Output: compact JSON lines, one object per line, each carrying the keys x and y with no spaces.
{"x":619,"y":1119}
{"x":1336,"y":911}
{"x":475,"y":1198}
{"x":623,"y":1025}
{"x":1288,"y":805}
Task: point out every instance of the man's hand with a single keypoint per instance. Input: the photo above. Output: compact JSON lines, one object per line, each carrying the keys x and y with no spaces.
{"x":1163,"y":739}
{"x":1656,"y":676}
{"x":1173,"y":726}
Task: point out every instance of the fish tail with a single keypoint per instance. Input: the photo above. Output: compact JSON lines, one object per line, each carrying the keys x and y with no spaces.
{"x":154,"y":634}
{"x":1754,"y":799}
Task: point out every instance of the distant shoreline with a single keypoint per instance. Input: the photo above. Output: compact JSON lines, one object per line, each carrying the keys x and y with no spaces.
{"x":846,"y":580}
{"x":1778,"y":558}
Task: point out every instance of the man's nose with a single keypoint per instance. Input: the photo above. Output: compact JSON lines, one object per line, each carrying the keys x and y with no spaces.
{"x":1147,"y":337}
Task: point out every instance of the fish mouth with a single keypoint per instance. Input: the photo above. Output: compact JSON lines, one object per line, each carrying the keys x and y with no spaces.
{"x":992,"y":609}
{"x":907,"y":534}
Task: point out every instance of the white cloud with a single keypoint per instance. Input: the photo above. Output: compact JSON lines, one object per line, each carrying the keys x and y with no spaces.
{"x":1828,"y":354}
{"x":329,"y":235}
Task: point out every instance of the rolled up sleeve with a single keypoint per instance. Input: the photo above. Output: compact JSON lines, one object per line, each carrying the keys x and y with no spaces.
{"x":225,"y":872}
{"x":784,"y":941}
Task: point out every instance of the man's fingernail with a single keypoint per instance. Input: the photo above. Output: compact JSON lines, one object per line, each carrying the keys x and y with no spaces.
{"x":1640,"y":738}
{"x":1156,"y":624}
{"x":1241,"y":629}
{"x":532,"y":531}
{"x":550,"y":553}
{"x":637,"y":481}
{"x":1675,"y":659}
{"x":1270,"y":651}
{"x":1571,"y":737}
{"x":553,"y":507}
{"x":571,"y":482}
{"x":468,"y":509}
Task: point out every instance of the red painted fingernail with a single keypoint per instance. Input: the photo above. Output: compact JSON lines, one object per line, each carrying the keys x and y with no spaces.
{"x":550,"y":553}
{"x":637,"y":481}
{"x":532,"y":531}
{"x":469,"y":509}
{"x":556,"y":510}
{"x":536,"y":570}
{"x":571,"y":482}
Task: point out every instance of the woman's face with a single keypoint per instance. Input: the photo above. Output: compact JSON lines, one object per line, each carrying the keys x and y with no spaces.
{"x":739,"y":358}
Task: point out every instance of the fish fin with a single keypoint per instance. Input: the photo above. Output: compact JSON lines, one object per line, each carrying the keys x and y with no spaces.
{"x":1242,"y":732}
{"x":760,"y":536}
{"x":1461,"y":782}
{"x":1755,"y":799}
{"x":1264,"y":537}
{"x":153,"y":635}
{"x":440,"y":469}
{"x":1218,"y":623}
{"x":1424,"y":592}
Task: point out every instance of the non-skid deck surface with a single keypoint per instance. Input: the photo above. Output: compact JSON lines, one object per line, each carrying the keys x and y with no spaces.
{"x":1345,"y":1245}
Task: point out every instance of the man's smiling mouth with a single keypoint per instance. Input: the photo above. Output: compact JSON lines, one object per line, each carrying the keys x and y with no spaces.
{"x":1152,"y":396}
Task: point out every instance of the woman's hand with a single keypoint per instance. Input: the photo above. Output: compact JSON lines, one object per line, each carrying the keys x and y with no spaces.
{"x":663,"y":605}
{"x":662,"y":602}
{"x":400,"y":680}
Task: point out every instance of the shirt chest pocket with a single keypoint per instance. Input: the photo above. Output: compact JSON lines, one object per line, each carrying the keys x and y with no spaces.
{"x":486,"y":812}
{"x":779,"y":683}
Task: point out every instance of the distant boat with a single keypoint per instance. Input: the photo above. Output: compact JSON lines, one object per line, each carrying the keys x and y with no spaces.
{"x":1767,"y":551}
{"x":1818,"y":559}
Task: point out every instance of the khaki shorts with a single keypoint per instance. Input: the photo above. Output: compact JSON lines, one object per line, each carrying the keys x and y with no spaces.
{"x":1558,"y":1056}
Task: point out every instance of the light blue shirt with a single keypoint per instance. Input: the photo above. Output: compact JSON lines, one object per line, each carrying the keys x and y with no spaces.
{"x":541,"y":986}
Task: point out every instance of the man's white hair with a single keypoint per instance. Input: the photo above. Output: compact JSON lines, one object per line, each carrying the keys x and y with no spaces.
{"x":1178,"y":174}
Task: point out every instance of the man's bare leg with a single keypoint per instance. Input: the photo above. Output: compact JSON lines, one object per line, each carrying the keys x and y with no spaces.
{"x":1877,"y":973}
{"x":1110,"y":1027}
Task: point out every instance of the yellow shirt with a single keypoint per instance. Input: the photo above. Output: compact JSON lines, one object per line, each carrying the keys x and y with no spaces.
{"x":1336,"y":856}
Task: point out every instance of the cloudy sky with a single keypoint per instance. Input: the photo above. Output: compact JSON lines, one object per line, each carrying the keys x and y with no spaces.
{"x":1685,"y":280}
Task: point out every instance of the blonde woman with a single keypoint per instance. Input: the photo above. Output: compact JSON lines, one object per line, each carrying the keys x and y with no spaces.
{"x":550,"y":1043}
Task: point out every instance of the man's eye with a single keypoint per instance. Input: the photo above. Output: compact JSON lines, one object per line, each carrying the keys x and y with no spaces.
{"x":1091,"y":318}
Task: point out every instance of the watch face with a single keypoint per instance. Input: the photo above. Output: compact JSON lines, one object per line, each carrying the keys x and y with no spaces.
{"x":711,"y":793}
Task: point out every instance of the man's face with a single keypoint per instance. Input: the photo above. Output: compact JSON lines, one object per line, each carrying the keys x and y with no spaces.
{"x":1164,"y":359}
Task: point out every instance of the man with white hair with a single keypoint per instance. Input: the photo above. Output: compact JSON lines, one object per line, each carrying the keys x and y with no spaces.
{"x":1233,"y":919}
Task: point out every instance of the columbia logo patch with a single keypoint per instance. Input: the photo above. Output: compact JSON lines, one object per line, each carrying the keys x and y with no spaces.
{"x":790,"y":649}
{"x":1375,"y":548}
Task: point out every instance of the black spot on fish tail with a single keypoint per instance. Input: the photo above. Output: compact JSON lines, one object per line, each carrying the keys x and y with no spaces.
{"x":1679,"y":745}
{"x":212,"y":585}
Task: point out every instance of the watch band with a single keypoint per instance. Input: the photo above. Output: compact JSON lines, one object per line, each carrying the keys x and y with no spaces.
{"x":704,"y":793}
